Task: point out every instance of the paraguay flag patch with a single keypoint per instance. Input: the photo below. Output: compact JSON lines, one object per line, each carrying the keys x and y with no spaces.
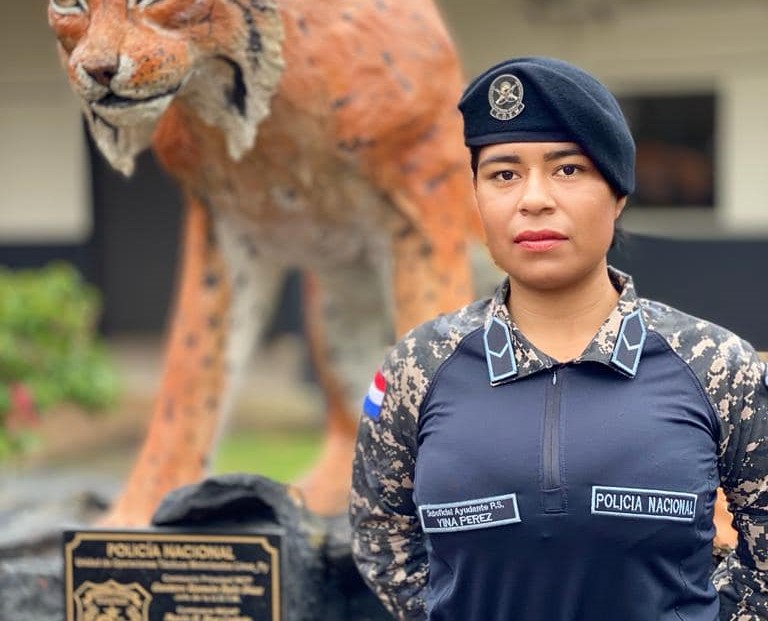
{"x":372,"y":403}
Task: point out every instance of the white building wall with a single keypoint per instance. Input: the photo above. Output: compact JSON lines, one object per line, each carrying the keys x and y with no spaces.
{"x":635,"y":46}
{"x":744,"y":143}
{"x":44,"y":189}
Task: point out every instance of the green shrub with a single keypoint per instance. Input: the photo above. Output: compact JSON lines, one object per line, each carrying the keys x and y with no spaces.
{"x":49,"y":350}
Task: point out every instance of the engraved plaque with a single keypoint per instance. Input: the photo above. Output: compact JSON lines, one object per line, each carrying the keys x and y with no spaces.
{"x":172,"y":576}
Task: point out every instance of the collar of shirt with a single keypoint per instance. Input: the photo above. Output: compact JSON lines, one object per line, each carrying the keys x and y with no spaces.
{"x":618,"y":343}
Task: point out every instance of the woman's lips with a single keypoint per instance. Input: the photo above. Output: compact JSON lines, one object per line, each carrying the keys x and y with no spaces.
{"x":539,"y":241}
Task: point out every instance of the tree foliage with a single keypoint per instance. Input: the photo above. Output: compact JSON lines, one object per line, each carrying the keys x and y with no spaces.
{"x":50,"y":353}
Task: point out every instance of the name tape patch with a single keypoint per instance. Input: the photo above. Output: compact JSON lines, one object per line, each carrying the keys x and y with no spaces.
{"x":469,"y":514}
{"x":644,"y":503}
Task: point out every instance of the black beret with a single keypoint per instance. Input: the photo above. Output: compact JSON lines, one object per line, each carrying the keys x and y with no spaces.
{"x":539,"y":99}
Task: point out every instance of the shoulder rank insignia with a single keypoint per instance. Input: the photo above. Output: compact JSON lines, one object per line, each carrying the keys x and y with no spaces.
{"x":499,"y":353}
{"x":629,"y":343}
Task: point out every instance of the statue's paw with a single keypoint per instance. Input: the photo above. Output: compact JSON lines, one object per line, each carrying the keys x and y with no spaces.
{"x":118,"y":516}
{"x":326,"y":486}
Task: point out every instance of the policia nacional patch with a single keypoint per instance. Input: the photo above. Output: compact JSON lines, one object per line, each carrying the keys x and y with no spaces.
{"x":644,"y":503}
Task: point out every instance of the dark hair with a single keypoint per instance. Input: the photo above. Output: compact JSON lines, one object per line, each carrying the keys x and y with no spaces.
{"x":474,"y":155}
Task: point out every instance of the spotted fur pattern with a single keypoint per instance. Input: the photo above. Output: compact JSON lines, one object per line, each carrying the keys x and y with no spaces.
{"x":388,"y":542}
{"x":317,"y":135}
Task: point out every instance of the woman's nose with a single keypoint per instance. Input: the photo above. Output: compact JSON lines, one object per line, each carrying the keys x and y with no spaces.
{"x":536,"y":196}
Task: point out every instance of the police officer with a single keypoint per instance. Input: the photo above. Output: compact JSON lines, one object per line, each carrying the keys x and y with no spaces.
{"x":553,"y":453}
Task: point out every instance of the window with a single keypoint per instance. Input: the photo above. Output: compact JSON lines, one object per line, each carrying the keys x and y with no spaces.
{"x":675,"y":137}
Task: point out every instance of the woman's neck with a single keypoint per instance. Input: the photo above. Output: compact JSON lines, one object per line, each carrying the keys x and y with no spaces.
{"x":562,"y":322}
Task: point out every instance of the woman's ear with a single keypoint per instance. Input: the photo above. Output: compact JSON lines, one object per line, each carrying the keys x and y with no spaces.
{"x":620,"y":204}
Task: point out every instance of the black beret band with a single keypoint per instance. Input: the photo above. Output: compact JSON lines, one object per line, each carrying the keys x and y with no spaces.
{"x":537,"y":99}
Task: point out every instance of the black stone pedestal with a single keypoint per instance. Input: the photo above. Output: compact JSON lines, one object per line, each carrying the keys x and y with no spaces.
{"x":319,"y":581}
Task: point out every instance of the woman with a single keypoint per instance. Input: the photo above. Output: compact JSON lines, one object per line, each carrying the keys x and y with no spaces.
{"x":553,"y":453}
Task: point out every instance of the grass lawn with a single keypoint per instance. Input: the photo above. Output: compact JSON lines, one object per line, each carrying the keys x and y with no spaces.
{"x":279,"y":455}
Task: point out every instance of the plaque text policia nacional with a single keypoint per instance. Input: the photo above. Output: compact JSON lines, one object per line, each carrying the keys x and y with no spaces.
{"x":171,"y":576}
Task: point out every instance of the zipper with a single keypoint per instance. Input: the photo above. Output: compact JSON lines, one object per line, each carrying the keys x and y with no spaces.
{"x":553,"y":497}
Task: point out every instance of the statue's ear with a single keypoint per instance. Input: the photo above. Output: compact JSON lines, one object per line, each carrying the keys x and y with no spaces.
{"x":233,"y":89}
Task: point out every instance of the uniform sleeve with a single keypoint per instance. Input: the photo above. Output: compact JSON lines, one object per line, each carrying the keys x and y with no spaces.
{"x":387,"y":541}
{"x":742,"y":577}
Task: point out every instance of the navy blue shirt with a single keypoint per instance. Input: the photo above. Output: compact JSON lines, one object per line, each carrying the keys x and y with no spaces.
{"x":493,"y":483}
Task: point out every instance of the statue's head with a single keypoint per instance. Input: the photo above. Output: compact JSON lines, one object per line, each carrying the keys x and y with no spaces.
{"x":128,"y":60}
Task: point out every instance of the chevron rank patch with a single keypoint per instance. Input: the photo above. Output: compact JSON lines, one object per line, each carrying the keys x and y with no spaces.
{"x":499,"y":353}
{"x":372,"y":403}
{"x":629,"y":343}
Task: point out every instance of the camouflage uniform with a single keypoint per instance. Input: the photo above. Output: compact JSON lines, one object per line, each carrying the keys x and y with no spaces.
{"x":398,"y":559}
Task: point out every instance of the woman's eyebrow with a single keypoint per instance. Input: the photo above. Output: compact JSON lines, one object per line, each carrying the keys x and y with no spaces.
{"x":511,"y":158}
{"x":560,"y":153}
{"x":500,"y":159}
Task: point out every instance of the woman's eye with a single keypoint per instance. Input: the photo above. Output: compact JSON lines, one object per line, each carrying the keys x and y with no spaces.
{"x":569,"y":170}
{"x":69,"y":7}
{"x":505,"y":175}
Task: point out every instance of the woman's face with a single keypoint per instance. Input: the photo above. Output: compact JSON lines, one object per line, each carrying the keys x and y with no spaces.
{"x":547,"y":211}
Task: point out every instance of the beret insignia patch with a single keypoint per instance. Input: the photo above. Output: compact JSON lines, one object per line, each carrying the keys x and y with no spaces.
{"x":506,"y":97}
